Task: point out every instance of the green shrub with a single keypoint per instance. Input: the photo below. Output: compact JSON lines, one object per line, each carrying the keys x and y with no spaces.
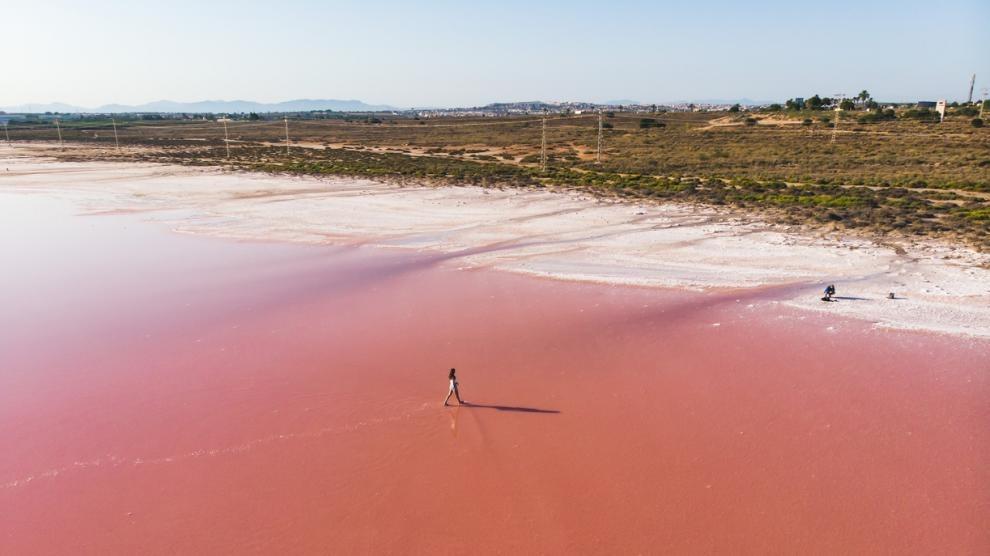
{"x":878,"y":116}
{"x":922,"y":114}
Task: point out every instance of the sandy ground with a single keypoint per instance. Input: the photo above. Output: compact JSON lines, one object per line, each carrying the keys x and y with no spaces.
{"x":563,"y":235}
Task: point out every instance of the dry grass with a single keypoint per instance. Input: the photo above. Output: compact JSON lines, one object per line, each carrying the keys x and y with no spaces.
{"x":903,"y":178}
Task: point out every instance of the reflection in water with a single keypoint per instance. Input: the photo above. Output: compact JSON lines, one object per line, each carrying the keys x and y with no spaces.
{"x":453,"y":420}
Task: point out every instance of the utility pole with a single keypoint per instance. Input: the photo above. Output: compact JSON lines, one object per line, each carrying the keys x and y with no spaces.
{"x":543,"y":144}
{"x":116,"y":140}
{"x":598,"y":160}
{"x":286,"y":135}
{"x":226,"y":138}
{"x":983,"y":101}
{"x":59,"y":129}
{"x":972,"y":83}
{"x":839,"y":97}
{"x":6,"y":132}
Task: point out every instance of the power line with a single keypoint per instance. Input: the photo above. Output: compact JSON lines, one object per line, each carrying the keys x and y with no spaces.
{"x":138,"y":126}
{"x":321,"y":126}
{"x":198,"y":127}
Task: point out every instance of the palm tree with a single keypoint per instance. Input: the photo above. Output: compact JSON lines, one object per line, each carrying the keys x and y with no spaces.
{"x":863,"y":96}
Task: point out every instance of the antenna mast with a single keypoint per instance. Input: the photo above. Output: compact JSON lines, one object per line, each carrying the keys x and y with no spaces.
{"x":972,"y":83}
{"x":116,"y":141}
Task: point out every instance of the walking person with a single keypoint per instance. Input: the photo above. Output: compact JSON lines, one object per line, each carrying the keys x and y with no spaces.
{"x":452,"y":376}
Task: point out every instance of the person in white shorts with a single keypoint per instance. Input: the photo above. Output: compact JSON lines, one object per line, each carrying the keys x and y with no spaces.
{"x":453,"y":388}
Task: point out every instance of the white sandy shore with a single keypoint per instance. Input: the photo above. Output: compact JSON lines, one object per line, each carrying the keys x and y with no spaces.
{"x":557,"y":234}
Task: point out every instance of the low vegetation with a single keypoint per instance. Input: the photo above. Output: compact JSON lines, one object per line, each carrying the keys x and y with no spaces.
{"x":887,"y":172}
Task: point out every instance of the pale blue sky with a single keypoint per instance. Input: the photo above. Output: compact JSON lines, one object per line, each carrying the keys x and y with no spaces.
{"x":467,"y":53}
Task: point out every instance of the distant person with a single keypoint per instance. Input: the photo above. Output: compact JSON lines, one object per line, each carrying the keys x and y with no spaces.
{"x":829,"y":292}
{"x":452,"y":376}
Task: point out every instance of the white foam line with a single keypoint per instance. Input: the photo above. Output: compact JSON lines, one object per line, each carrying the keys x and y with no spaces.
{"x":115,"y":461}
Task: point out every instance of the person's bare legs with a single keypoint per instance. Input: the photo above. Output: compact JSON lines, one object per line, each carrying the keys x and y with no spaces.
{"x":458,"y":394}
{"x":448,"y":397}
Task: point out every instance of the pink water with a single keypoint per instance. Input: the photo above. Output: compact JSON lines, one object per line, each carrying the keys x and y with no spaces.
{"x":162,"y":393}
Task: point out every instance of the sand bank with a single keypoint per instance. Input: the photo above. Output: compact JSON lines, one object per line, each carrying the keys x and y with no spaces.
{"x":559,"y":234}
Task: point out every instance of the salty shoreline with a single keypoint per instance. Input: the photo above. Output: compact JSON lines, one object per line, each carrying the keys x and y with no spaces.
{"x":164,"y":392}
{"x":559,"y":234}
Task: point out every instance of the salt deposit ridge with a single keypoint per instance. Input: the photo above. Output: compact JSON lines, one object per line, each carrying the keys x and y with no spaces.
{"x":558,"y":234}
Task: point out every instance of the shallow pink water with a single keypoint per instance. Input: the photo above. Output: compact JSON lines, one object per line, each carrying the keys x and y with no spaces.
{"x":162,"y":393}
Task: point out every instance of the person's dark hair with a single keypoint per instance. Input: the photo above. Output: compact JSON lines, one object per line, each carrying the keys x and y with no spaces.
{"x":451,"y":375}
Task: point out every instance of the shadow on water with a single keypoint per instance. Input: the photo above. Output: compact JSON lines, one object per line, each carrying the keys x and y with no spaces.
{"x":508,"y":408}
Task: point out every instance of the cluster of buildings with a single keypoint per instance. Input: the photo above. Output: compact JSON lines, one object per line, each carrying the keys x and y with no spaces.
{"x":501,"y":109}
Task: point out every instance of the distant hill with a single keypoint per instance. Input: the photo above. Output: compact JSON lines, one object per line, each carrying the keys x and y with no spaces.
{"x":211,"y":106}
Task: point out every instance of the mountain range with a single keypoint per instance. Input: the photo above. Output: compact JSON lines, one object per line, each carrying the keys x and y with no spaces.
{"x":209,"y":106}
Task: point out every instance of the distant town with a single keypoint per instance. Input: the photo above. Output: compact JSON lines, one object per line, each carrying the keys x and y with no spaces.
{"x":494,"y":110}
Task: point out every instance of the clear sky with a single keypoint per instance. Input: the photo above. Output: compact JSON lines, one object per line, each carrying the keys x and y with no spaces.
{"x":468,"y":53}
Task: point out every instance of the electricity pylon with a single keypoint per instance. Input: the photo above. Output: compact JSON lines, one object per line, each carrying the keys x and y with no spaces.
{"x":839,"y":97}
{"x":286,"y":135}
{"x":226,"y":137}
{"x":598,"y":159}
{"x":543,"y":144}
{"x":59,"y":129}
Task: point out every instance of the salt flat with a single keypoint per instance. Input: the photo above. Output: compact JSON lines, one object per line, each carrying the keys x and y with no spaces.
{"x":558,"y":234}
